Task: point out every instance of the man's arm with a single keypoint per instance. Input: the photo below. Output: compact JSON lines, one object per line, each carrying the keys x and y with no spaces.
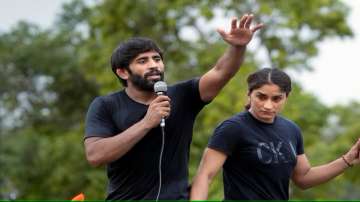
{"x":238,"y":37}
{"x":100,"y":151}
{"x":305,"y":176}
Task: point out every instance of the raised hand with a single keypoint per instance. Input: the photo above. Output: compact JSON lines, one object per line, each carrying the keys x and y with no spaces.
{"x":240,"y":33}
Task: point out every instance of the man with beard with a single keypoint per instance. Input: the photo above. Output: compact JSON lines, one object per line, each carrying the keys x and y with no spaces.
{"x":122,"y":129}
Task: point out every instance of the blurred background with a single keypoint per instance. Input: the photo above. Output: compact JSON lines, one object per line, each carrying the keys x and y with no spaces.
{"x":54,"y":59}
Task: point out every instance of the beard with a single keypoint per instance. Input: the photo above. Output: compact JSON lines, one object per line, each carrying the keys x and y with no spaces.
{"x":143,"y":83}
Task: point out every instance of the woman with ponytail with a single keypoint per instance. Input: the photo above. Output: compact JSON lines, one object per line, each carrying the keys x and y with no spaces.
{"x":260,"y":151}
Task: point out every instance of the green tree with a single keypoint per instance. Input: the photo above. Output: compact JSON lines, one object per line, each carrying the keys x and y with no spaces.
{"x":44,"y":96}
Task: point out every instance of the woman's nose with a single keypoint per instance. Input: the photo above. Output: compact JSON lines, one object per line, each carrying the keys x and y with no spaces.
{"x":268,"y":104}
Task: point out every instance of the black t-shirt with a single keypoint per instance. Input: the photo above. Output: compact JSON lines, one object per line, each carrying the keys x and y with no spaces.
{"x":135,"y":175}
{"x":260,"y":156}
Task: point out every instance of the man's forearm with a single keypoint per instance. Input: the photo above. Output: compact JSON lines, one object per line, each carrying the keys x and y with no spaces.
{"x":226,"y":67}
{"x":229,"y":63}
{"x":104,"y":150}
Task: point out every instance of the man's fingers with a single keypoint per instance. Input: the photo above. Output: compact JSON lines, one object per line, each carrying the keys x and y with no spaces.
{"x":248,"y":21}
{"x":257,"y":27}
{"x":161,"y":98}
{"x":221,"y":32}
{"x":163,"y":104}
{"x":243,"y":20}
{"x":164,"y":110}
{"x":233,"y":23}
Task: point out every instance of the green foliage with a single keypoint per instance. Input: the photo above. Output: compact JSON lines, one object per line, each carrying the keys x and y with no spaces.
{"x":40,"y":77}
{"x":49,"y":77}
{"x":44,"y":95}
{"x":39,"y":166}
{"x":341,"y":132}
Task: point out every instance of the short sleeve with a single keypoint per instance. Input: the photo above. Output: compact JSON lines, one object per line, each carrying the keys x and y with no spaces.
{"x":299,"y":142}
{"x":225,"y":138}
{"x":99,"y":121}
{"x":191,"y":94}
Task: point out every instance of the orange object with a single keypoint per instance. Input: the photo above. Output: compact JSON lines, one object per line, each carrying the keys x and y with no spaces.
{"x":79,"y":197}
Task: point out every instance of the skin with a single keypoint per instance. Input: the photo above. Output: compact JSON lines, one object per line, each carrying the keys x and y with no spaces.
{"x":265,"y":103}
{"x":100,"y":151}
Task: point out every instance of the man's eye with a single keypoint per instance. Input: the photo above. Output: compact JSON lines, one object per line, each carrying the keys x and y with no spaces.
{"x":141,"y":61}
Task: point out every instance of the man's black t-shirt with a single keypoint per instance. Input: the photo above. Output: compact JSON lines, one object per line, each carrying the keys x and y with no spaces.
{"x":260,"y":156}
{"x":135,"y":175}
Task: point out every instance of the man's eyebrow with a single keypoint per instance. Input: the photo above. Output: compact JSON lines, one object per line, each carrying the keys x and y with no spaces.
{"x":142,"y":58}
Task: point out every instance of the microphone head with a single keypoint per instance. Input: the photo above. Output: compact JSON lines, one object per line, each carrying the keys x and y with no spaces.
{"x":160,"y":87}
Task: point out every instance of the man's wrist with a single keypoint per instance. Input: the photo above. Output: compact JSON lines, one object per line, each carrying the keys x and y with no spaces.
{"x":239,"y":47}
{"x":145,"y":125}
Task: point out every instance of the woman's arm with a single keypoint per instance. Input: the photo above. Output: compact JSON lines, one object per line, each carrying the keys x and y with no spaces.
{"x":305,"y":176}
{"x":210,"y":164}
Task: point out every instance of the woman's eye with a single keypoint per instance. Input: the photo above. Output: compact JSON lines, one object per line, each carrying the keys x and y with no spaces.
{"x":277,"y":99}
{"x":262,"y":97}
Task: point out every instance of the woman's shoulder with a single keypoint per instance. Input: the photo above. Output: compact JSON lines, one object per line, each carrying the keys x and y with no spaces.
{"x":283,"y":121}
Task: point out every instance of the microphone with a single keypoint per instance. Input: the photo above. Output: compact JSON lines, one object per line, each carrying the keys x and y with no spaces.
{"x":160,"y":88}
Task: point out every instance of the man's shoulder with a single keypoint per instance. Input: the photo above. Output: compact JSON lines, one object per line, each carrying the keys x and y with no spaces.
{"x":109,"y":98}
{"x":188,"y":82}
{"x":113,"y":95}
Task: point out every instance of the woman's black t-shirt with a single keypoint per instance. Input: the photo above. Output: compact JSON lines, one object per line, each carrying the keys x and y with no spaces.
{"x":260,"y":156}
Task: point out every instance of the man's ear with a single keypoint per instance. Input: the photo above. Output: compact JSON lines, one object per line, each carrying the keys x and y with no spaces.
{"x":122,"y":73}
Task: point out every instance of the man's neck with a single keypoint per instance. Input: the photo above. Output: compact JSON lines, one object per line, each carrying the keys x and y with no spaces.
{"x":141,"y":96}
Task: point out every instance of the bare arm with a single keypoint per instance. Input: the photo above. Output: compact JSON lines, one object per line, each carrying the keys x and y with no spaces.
{"x":306,"y":176}
{"x":226,"y":67}
{"x":100,"y":150}
{"x":210,"y":164}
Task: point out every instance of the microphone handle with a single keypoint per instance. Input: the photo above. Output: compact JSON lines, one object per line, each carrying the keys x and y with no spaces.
{"x":162,"y":122}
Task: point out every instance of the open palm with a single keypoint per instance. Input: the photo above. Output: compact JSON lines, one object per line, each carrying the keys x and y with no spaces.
{"x":240,"y":33}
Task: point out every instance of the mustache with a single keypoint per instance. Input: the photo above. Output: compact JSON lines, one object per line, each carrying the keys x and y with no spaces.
{"x":154,"y":72}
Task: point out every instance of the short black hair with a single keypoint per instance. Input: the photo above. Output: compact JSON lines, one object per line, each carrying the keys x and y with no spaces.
{"x":128,"y":50}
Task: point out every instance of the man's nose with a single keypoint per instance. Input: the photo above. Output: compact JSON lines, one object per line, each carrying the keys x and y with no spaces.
{"x":153,"y":63}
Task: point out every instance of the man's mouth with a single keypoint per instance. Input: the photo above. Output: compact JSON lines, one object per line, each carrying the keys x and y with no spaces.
{"x":154,"y":76}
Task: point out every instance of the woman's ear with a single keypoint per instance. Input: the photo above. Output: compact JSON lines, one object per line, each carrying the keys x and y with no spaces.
{"x":248,"y":102}
{"x":122,"y":73}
